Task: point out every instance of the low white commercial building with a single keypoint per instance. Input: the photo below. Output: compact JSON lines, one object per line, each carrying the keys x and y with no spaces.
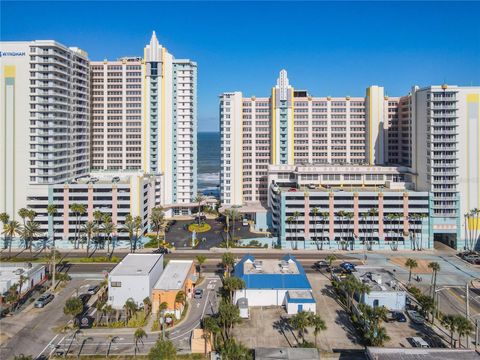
{"x":134,"y":277}
{"x":384,"y":289}
{"x":11,"y":274}
{"x":275,"y":283}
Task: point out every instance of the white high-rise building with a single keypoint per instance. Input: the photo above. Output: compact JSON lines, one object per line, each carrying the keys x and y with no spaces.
{"x":170,"y":125}
{"x":45,"y":119}
{"x":445,"y":152}
{"x":117,"y":114}
{"x":432,"y":131}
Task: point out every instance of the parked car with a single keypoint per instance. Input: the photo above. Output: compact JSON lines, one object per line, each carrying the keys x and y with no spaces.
{"x":415,"y":317}
{"x":418,"y":342}
{"x":198,"y":294}
{"x":245,"y":222}
{"x":398,"y":316}
{"x":349,"y":267}
{"x":322,"y":265}
{"x":172,"y":222}
{"x":44,"y":300}
{"x":161,"y":250}
{"x":92,"y":290}
{"x":84,"y":298}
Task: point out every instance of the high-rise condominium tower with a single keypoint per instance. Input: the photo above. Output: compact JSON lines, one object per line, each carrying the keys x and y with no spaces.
{"x":45,"y":117}
{"x":170,"y":127}
{"x":117,"y":114}
{"x":292,"y":127}
{"x":433,"y":133}
{"x":144,"y":115}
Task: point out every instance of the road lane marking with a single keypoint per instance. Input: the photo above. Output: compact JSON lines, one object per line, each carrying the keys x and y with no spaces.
{"x":45,"y":348}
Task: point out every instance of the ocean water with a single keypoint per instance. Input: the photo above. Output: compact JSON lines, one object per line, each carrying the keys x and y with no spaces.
{"x":208,"y":161}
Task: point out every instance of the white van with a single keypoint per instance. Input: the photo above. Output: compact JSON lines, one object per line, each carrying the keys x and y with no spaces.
{"x":419,"y":343}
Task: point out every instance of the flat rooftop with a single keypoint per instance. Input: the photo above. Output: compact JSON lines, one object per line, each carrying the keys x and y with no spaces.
{"x":345,"y":189}
{"x":377,"y":279}
{"x":270,"y":266}
{"x":174,"y":275}
{"x":136,"y":265}
{"x":286,"y":354}
{"x":300,"y":294}
{"x":10,"y":273}
{"x":420,"y":354}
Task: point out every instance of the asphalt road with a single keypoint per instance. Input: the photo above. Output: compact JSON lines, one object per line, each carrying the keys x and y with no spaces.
{"x":32,"y":329}
{"x":121,"y":341}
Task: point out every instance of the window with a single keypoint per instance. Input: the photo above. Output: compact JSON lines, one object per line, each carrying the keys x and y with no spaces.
{"x":116,"y":284}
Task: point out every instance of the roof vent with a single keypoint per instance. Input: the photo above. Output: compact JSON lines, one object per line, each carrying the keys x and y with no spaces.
{"x":258,"y":265}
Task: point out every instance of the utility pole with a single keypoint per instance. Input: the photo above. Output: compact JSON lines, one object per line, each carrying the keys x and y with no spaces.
{"x":53,"y":269}
{"x":467,"y":313}
{"x":476,"y":334}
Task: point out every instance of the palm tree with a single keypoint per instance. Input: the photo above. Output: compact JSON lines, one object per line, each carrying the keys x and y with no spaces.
{"x":318,"y":325}
{"x":147,"y":306}
{"x":12,"y":228}
{"x":29,"y":232}
{"x":78,"y":210}
{"x":138,"y":336}
{"x":108,"y":310}
{"x":227,"y":262}
{"x":290,"y":221}
{"x":130,"y":309}
{"x":300,"y":322}
{"x":421,"y":217}
{"x":99,"y":309}
{"x":157,"y":218}
{"x":211,"y":330}
{"x":315,"y":214}
{"x":372,"y":213}
{"x":435,"y":268}
{"x":232,"y":214}
{"x":4,"y":218}
{"x":390,"y":218}
{"x":349,"y":217}
{"x":199,"y":199}
{"x":137,"y":225}
{"x":324,"y":216}
{"x":89,"y":228}
{"x":373,"y":317}
{"x":200,"y":260}
{"x":23,"y":213}
{"x":129,"y":228}
{"x":464,"y":328}
{"x":411,"y":264}
{"x":108,"y":228}
{"x":412,"y":219}
{"x":296,"y":215}
{"x":232,"y":284}
{"x":180,"y":298}
{"x":340,"y":216}
{"x":351,"y":285}
{"x":450,"y":323}
{"x":52,"y":211}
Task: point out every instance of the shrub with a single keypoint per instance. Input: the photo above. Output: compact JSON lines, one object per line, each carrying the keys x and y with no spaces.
{"x":137,"y":320}
{"x":156,"y":325}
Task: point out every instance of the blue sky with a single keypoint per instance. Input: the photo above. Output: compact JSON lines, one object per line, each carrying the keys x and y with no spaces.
{"x":329,"y":48}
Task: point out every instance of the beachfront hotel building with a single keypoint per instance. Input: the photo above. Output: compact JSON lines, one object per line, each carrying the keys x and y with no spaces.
{"x":65,"y":116}
{"x":432,"y":133}
{"x":144,"y":116}
{"x":45,"y":119}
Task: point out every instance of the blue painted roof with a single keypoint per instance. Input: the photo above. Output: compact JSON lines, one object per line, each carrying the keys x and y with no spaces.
{"x":272,"y":281}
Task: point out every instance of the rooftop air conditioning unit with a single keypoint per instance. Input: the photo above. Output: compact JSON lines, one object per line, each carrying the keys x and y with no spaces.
{"x":257,"y":264}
